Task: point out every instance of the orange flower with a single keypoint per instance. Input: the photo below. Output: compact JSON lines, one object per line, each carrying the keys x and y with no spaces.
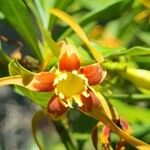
{"x":70,"y":82}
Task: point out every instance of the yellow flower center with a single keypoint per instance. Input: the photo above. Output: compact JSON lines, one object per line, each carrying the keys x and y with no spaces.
{"x":70,"y":85}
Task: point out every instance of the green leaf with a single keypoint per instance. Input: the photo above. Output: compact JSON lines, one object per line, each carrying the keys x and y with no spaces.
{"x":144,"y":36}
{"x":43,"y":117}
{"x":17,"y":14}
{"x":35,"y":121}
{"x":95,"y":3}
{"x":137,"y":50}
{"x":40,"y":98}
{"x":75,"y":26}
{"x":115,"y":52}
{"x":17,"y":80}
{"x":42,"y":10}
{"x":85,"y":57}
{"x":4,"y":58}
{"x":49,"y":48}
{"x":139,"y":77}
{"x":16,"y":69}
{"x":108,"y":11}
{"x":130,"y":112}
{"x":4,"y":61}
{"x":109,"y":52}
{"x":63,"y":5}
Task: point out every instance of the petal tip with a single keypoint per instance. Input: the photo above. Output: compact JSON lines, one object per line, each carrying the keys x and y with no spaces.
{"x":43,"y":82}
{"x":69,"y":59}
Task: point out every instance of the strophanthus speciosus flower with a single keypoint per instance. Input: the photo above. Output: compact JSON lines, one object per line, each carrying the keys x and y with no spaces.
{"x":70,"y":83}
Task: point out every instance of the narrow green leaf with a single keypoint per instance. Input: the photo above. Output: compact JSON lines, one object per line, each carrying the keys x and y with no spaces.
{"x":137,"y":50}
{"x":42,"y":10}
{"x":63,"y":4}
{"x":115,"y":52}
{"x":4,"y":61}
{"x":40,"y":98}
{"x":15,"y":68}
{"x":106,"y":12}
{"x":35,"y":121}
{"x":144,"y":36}
{"x":4,"y":58}
{"x":17,"y":80}
{"x":139,"y":77}
{"x":18,"y":16}
{"x":131,"y":115}
{"x":49,"y":48}
{"x":75,"y":26}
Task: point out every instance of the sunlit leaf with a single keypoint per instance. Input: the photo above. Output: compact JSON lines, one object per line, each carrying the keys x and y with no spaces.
{"x":40,"y":98}
{"x":131,"y":115}
{"x":62,"y":5}
{"x":49,"y":48}
{"x":115,"y":52}
{"x":139,"y":77}
{"x":69,"y":20}
{"x":15,"y":68}
{"x":11,"y":80}
{"x":106,"y":11}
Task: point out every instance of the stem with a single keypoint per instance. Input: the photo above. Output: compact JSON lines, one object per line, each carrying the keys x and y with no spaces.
{"x":129,"y":96}
{"x":17,"y":80}
{"x":128,"y":138}
{"x":65,"y":136}
{"x":114,"y":66}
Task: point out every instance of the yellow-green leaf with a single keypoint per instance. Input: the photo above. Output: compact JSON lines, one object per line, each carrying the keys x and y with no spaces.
{"x":17,"y":80}
{"x":75,"y":26}
{"x":139,"y":77}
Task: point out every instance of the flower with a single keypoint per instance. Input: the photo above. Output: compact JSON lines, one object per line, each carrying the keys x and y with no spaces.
{"x":106,"y":134}
{"x":70,"y":83}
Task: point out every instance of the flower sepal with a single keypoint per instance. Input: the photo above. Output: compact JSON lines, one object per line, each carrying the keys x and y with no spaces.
{"x":56,"y":109}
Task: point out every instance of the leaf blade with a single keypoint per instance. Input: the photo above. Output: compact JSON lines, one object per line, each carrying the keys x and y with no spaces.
{"x":21,"y":21}
{"x":70,"y":21}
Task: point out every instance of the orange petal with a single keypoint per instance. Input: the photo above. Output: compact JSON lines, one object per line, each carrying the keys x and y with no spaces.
{"x":69,"y":59}
{"x":105,"y":135}
{"x":90,"y":102}
{"x":125,"y":125}
{"x":94,"y":73}
{"x":44,"y":82}
{"x":55,"y":108}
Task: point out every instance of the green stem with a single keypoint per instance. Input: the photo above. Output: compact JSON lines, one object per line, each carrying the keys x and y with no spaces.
{"x":129,"y":96}
{"x":114,"y":66}
{"x":65,"y":136}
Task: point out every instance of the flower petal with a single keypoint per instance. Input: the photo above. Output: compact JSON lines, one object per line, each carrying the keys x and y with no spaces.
{"x":105,"y":135}
{"x":45,"y":82}
{"x":105,"y":138}
{"x":69,"y":60}
{"x":94,"y":73}
{"x":125,"y":125}
{"x":55,"y":108}
{"x":90,"y":102}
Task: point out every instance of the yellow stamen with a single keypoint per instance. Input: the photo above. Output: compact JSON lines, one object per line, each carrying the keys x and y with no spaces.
{"x":78,"y":101}
{"x":70,"y":86}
